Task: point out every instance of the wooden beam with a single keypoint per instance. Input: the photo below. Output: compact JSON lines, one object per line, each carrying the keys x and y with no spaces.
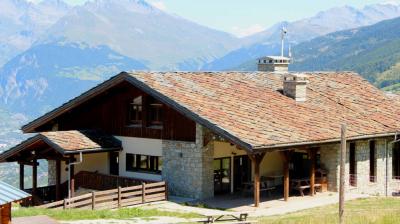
{"x":256,"y":160}
{"x":58,"y":179}
{"x":27,"y":163}
{"x":21,"y":176}
{"x":312,"y":154}
{"x":286,"y":159}
{"x":34,"y":180}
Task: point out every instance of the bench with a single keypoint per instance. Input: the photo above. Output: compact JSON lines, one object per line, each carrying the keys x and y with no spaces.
{"x":302,"y":188}
{"x":265,"y":186}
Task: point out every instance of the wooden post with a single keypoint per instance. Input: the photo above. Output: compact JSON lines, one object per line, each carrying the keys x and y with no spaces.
{"x":94,"y":200}
{"x":256,"y":160}
{"x":342,"y":171}
{"x":312,"y":171}
{"x":286,"y":160}
{"x":21,"y":176}
{"x":119,"y":196}
{"x":256,"y":183}
{"x":65,"y":204}
{"x":72,"y":175}
{"x":166,"y":191}
{"x":143,"y":192}
{"x":58,"y":179}
{"x":34,"y":180}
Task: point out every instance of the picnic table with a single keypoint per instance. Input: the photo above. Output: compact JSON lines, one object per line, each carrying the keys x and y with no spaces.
{"x":302,"y":184}
{"x":236,"y":217}
{"x":265,"y":185}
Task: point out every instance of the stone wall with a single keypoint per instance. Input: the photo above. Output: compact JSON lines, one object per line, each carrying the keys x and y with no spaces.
{"x":188,"y":167}
{"x":51,"y":169}
{"x":330,"y":160}
{"x":330,"y":156}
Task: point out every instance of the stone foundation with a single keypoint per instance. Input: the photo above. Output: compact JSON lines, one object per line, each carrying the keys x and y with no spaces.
{"x":188,"y":167}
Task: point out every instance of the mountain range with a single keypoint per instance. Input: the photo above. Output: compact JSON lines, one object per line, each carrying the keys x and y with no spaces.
{"x":335,"y":19}
{"x":22,"y":23}
{"x":372,"y":51}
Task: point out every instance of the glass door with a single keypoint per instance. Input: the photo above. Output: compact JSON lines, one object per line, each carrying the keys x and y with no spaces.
{"x":222,"y":175}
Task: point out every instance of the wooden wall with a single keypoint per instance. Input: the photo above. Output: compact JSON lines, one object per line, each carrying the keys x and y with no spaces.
{"x":5,"y":214}
{"x":109,"y":112}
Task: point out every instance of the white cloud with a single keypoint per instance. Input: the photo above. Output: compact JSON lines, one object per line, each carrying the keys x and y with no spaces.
{"x":159,"y":4}
{"x":246,"y":31}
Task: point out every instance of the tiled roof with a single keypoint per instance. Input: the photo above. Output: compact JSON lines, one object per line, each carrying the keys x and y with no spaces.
{"x":9,"y":194}
{"x":66,"y":142}
{"x":249,"y":106}
{"x":81,"y":140}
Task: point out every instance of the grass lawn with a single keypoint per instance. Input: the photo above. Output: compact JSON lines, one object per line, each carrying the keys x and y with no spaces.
{"x":76,"y":214}
{"x":362,"y":211}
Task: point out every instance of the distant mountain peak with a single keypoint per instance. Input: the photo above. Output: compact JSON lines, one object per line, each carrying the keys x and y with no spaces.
{"x":55,"y":3}
{"x":139,"y":6}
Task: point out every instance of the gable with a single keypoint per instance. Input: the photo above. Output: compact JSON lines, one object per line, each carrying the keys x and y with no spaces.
{"x":108,"y":111}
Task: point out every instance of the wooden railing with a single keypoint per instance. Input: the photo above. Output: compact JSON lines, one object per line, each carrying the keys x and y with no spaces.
{"x":115,"y":198}
{"x":98,"y":181}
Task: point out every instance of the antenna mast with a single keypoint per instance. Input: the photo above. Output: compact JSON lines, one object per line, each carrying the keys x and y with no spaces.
{"x":283,"y":33}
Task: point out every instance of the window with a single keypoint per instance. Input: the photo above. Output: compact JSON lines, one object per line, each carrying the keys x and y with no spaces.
{"x":372,"y":162}
{"x":135,"y":111}
{"x":156,"y":115}
{"x":396,"y":160}
{"x":265,"y":61}
{"x":270,"y":61}
{"x":353,"y":165}
{"x":145,"y":163}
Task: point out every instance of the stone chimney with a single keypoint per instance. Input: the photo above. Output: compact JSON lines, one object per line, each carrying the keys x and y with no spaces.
{"x":273,"y":64}
{"x":295,"y":86}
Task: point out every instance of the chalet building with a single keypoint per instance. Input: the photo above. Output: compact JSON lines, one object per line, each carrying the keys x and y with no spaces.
{"x":209,"y":133}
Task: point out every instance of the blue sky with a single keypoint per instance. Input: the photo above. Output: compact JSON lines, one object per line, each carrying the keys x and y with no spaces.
{"x":243,"y":17}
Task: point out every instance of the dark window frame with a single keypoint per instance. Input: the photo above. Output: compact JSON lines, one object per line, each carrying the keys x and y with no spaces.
{"x":372,"y":161}
{"x":135,"y":111}
{"x":155,"y":113}
{"x":396,"y":161}
{"x":152,"y":164}
{"x":352,"y":165}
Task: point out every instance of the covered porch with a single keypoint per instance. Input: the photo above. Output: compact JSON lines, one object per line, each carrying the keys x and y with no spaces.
{"x":266,"y":176}
{"x":69,"y":155}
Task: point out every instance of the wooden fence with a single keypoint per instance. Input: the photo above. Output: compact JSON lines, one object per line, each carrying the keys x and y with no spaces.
{"x":99,"y":181}
{"x":115,"y":198}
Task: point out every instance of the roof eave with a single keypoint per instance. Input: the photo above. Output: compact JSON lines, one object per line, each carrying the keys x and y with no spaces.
{"x":92,"y":150}
{"x":327,"y":141}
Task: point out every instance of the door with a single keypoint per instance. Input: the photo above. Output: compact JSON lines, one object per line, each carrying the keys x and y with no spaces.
{"x":114,"y":163}
{"x":222,"y":175}
{"x":241,"y":171}
{"x":301,"y":165}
